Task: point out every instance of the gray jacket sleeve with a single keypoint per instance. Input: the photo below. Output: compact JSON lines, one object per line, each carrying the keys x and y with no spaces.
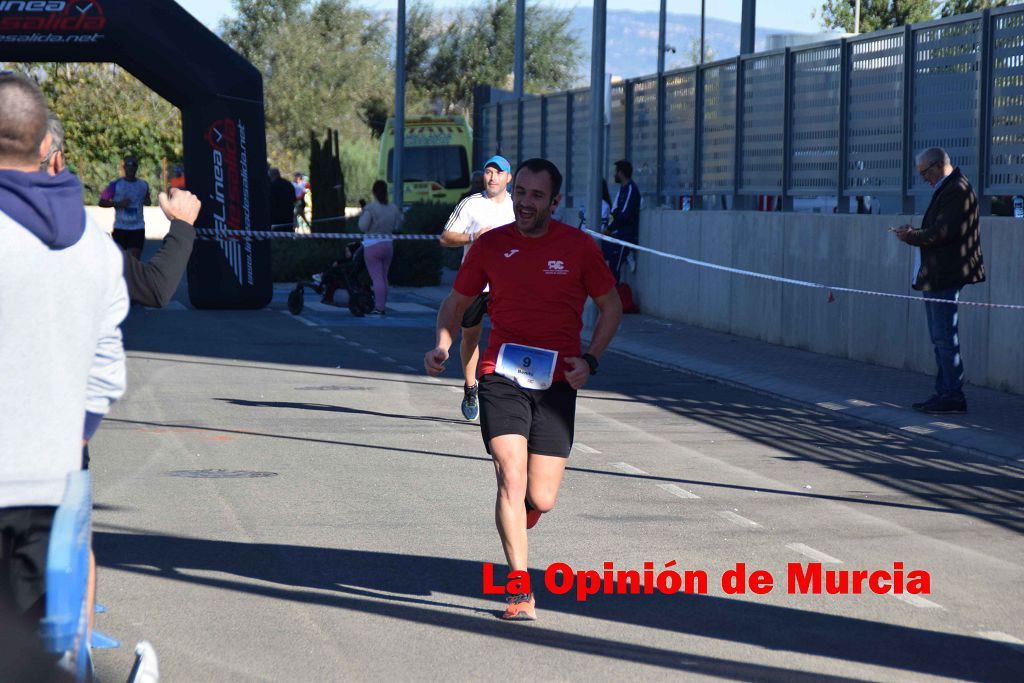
{"x":154,"y":282}
{"x":108,"y":375}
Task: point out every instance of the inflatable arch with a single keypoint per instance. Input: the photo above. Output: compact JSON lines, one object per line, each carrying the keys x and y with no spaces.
{"x":220,"y":96}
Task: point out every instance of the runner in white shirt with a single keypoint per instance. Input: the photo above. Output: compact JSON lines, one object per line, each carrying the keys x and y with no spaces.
{"x":475,"y":215}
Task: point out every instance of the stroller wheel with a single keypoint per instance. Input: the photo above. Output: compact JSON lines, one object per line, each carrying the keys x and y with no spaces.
{"x":296,"y":300}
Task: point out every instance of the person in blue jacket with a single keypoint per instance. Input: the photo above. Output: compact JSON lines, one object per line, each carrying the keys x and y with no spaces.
{"x":625,"y":223}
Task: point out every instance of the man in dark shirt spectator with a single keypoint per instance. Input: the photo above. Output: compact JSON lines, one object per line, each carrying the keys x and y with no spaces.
{"x":625,"y":223}
{"x":950,"y":242}
{"x":282,"y":202}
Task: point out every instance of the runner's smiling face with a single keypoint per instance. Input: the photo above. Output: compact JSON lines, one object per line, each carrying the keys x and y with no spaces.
{"x":495,"y":181}
{"x":532,"y":201}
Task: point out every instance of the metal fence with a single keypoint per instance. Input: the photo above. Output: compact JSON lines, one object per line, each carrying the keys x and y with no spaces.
{"x":842,"y":118}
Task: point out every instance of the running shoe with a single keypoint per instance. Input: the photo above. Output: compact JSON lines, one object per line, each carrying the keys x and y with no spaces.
{"x":532,"y":516}
{"x":470,"y":402}
{"x":521,"y":607}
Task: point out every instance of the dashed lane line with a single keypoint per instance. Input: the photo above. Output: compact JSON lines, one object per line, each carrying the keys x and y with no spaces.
{"x":816,"y":555}
{"x":677,"y":491}
{"x":627,"y":468}
{"x":408,"y":367}
{"x":739,"y":519}
{"x":584,"y":448}
{"x":917,"y":601}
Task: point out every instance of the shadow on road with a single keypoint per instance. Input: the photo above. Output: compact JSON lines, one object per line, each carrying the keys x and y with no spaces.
{"x":399,"y":587}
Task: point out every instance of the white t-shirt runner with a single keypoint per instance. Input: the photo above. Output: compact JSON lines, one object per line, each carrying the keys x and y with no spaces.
{"x":477,"y":212}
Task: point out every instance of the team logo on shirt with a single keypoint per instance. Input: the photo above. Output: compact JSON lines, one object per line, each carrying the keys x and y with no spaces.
{"x":556,"y":268}
{"x":511,"y":253}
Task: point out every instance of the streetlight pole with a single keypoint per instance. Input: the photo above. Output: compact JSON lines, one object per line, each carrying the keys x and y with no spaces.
{"x":397,"y":179}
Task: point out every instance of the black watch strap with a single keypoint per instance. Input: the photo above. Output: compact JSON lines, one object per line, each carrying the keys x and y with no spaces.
{"x":592,"y":362}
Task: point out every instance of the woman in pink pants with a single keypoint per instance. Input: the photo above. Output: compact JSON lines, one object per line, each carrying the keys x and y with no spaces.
{"x":379,"y":218}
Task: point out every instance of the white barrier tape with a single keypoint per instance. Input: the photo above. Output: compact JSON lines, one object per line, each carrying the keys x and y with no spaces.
{"x":209,"y":234}
{"x":308,"y":223}
{"x":790,"y":281}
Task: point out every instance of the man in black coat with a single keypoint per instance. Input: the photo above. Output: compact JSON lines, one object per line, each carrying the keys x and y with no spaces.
{"x":153,"y":282}
{"x":950,"y":257}
{"x":282,"y":202}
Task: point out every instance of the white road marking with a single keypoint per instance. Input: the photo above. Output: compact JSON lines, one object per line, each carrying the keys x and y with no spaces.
{"x":815,"y":555}
{"x":338,"y":336}
{"x":918,"y":601}
{"x":584,"y":448}
{"x":408,"y":367}
{"x":405,"y":307}
{"x":1003,"y":639}
{"x":373,"y":351}
{"x":305,"y":321}
{"x":388,"y":359}
{"x":627,"y":468}
{"x":739,"y":519}
{"x":354,"y":344}
{"x":676,"y":491}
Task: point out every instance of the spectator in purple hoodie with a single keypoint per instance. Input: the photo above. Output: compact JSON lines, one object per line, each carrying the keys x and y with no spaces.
{"x":60,"y":338}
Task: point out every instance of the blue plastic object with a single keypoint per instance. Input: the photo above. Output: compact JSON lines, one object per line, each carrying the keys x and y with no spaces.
{"x":65,"y":628}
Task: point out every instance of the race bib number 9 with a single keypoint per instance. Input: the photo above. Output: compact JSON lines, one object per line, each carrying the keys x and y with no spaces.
{"x":527,"y":366}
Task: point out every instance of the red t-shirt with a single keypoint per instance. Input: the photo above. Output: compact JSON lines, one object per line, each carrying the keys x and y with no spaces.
{"x":538,"y":288}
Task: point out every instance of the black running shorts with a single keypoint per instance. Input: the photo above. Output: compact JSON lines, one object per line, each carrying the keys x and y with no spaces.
{"x":546,"y":418}
{"x":474,"y":315}
{"x":130,"y":239}
{"x":24,"y":543}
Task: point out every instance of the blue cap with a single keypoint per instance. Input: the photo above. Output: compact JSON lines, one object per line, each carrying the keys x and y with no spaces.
{"x":500,"y":162}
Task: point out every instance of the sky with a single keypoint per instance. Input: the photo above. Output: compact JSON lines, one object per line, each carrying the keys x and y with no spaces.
{"x":787,"y":15}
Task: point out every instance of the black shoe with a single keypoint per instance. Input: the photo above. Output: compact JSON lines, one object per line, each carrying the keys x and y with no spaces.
{"x":944,"y":406}
{"x":934,"y":398}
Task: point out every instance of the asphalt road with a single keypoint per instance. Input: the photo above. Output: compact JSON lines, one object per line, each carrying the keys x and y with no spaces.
{"x":294,"y":499}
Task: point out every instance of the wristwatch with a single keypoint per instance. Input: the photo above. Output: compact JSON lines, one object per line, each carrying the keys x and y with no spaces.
{"x":592,"y":362}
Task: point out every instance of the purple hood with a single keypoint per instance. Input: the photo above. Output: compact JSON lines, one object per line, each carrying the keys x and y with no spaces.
{"x":50,"y":207}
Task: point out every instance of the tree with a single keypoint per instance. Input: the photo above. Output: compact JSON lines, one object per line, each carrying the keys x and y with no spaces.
{"x":953,"y":7}
{"x":693,"y":53}
{"x":876,"y":15}
{"x":476,"y":46}
{"x":322,"y":61}
{"x":107,"y":114}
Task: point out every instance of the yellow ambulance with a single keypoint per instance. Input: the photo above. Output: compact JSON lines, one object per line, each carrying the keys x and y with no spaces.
{"x":436,"y":163}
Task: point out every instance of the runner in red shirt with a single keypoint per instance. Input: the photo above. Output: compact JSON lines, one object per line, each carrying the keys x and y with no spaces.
{"x":541,"y":273}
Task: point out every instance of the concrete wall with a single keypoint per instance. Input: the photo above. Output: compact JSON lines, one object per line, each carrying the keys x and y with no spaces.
{"x":844,"y":251}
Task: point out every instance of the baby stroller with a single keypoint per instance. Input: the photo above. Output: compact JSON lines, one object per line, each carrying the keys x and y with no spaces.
{"x":348,"y":272}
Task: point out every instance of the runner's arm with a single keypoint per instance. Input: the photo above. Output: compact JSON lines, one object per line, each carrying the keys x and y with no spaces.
{"x":456,"y":230}
{"x":448,"y":317}
{"x":609,"y":307}
{"x":609,"y":315}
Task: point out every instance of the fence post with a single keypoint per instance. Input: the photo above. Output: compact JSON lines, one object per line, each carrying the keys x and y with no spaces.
{"x":984,"y":113}
{"x":567,"y":175}
{"x":660,"y":154}
{"x":519,"y":131}
{"x":499,"y":121}
{"x":738,"y":201}
{"x":627,"y":147}
{"x":908,"y":164}
{"x":843,"y":157}
{"x":787,"y":132}
{"x":698,"y":136}
{"x":544,"y":127}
